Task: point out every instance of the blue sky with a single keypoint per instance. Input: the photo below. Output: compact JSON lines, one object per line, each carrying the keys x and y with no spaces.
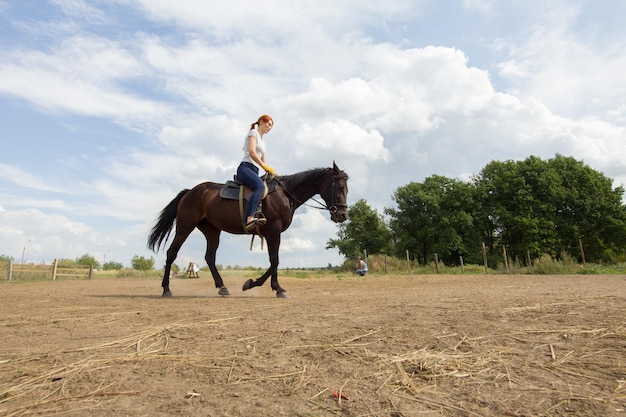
{"x":110,"y":108}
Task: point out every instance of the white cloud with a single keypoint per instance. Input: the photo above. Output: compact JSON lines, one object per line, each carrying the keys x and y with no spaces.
{"x":83,"y":76}
{"x":350,"y":82}
{"x":42,"y":234}
{"x":566,"y":71}
{"x":246,"y":16}
{"x":484,"y":6}
{"x":340,"y":137}
{"x":79,"y":9}
{"x":20,"y":177}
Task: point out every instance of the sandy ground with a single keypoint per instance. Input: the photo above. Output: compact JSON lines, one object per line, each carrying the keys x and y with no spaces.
{"x":340,"y":346}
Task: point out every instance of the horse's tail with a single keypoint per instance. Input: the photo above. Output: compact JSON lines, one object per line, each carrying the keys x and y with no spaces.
{"x":163,"y":226}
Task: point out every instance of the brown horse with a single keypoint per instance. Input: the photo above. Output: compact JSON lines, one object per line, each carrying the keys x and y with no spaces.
{"x":203,"y":208}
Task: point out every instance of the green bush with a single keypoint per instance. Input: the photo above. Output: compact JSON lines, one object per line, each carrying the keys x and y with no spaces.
{"x":547,"y":265}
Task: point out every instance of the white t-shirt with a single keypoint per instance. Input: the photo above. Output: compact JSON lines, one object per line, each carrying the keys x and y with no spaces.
{"x":260,"y":147}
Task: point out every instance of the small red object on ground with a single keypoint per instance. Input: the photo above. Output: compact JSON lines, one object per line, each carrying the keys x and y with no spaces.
{"x":338,"y":395}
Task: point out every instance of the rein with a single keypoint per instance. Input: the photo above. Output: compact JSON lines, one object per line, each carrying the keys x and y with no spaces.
{"x":320,"y":206}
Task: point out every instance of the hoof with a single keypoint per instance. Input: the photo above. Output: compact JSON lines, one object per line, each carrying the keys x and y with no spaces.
{"x":167,"y":294}
{"x":247,"y":285}
{"x":282,"y":294}
{"x":223,"y":291}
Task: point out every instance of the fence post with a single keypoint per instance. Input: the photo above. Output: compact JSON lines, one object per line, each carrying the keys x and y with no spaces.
{"x":54,"y":270}
{"x":90,"y":271}
{"x":506,"y":259}
{"x":385,"y":264}
{"x":582,"y":251}
{"x":408,"y":261}
{"x":462,"y":265}
{"x":436,"y":263}
{"x":485,"y":258}
{"x":10,"y":277}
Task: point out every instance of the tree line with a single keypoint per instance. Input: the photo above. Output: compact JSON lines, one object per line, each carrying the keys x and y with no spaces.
{"x":532,"y":208}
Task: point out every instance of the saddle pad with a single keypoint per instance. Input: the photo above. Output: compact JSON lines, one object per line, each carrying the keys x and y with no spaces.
{"x":230,"y":190}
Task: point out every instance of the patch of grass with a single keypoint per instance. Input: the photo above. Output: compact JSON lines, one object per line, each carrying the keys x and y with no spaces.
{"x":304,"y":273}
{"x":134,"y":273}
{"x":602,"y":269}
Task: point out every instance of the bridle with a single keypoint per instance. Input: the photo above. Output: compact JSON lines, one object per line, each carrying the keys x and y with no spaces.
{"x":334,"y":206}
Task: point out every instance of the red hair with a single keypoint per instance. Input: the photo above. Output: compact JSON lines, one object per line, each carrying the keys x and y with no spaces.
{"x":265,"y":118}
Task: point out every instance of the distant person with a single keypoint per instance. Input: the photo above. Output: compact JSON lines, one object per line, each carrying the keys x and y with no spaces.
{"x":361,"y":266}
{"x":192,"y":270}
{"x":248,"y":170}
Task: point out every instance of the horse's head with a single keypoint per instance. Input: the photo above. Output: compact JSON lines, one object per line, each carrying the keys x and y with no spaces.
{"x":336,"y":194}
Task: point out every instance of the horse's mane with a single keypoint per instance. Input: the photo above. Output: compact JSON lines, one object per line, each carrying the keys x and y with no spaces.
{"x":299,"y":177}
{"x":312,"y":176}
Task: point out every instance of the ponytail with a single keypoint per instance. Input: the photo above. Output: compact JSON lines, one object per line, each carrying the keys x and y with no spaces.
{"x":264,"y":118}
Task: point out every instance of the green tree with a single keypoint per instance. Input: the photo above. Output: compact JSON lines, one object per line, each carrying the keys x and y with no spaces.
{"x":6,"y":258}
{"x":88,"y":260}
{"x":587,"y":207}
{"x":508,"y":207}
{"x":142,"y":264}
{"x":111,"y":265}
{"x":545,"y":207}
{"x":435,"y":217}
{"x":365,"y":230}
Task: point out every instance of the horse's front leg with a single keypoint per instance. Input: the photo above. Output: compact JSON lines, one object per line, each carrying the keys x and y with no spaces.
{"x":273,"y":244}
{"x":271,"y":272}
{"x":256,"y":282}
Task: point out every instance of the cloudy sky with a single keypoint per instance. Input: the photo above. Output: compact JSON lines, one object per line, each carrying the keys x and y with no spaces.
{"x":109,"y":108}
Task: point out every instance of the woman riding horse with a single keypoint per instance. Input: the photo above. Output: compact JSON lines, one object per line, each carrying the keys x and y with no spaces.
{"x":204,"y":209}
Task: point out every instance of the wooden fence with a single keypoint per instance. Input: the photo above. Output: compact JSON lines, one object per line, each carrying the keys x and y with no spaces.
{"x":14,"y":272}
{"x":485,"y":258}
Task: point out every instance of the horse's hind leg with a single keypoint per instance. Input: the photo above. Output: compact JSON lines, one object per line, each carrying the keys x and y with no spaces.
{"x":182,"y":232}
{"x":212,"y":235}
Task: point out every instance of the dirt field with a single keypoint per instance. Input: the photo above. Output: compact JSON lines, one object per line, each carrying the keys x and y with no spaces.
{"x":340,"y":346}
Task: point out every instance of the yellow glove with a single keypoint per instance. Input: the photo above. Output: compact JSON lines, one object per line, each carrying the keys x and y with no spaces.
{"x":269,"y":169}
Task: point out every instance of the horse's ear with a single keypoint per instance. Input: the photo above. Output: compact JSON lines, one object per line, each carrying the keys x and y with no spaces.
{"x":335,"y":168}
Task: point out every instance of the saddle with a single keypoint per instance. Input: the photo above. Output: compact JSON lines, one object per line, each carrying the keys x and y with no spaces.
{"x":235,"y":189}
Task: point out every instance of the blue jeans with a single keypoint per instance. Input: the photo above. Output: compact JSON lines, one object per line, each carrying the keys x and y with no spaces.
{"x":249,"y":175}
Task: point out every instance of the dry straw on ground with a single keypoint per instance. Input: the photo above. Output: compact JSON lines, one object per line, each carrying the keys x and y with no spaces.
{"x":428,"y":348}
